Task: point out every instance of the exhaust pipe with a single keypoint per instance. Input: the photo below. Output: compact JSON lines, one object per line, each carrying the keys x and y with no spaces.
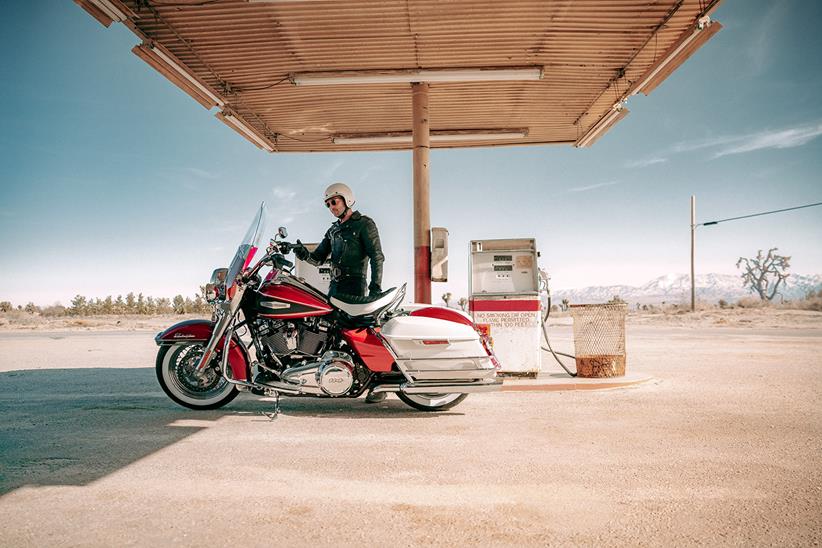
{"x":440,"y":388}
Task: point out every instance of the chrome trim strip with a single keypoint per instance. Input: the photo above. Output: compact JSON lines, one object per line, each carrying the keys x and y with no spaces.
{"x":453,"y":375}
{"x":452,"y":388}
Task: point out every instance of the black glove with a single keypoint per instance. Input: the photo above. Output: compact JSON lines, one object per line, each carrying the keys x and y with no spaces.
{"x":300,"y":251}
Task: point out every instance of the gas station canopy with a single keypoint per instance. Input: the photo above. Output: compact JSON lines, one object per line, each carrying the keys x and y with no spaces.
{"x":335,"y":75}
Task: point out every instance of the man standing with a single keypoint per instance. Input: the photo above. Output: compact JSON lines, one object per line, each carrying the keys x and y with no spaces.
{"x":353,"y":243}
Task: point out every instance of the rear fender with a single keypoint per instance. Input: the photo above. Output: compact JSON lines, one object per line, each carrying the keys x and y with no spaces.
{"x":441,"y":313}
{"x":200,"y":331}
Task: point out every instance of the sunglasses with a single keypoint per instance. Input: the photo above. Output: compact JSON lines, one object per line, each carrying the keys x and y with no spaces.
{"x":332,"y":202}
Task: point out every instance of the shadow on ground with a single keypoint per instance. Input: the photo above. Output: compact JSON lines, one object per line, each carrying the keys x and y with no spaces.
{"x":74,"y":426}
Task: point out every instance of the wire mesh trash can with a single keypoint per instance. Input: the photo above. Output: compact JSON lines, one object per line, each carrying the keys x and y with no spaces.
{"x":599,"y":339}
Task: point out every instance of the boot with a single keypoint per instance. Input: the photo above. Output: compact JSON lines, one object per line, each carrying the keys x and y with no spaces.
{"x":375,"y":397}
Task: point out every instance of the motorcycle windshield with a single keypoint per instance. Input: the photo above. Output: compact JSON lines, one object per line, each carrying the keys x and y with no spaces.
{"x":248,"y":247}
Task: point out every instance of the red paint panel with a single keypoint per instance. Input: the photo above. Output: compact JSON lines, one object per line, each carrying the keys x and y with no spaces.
{"x":290,"y":294}
{"x":189,"y":330}
{"x":200,"y":331}
{"x":508,"y":305}
{"x":422,"y":274}
{"x":442,"y":314}
{"x":370,"y":349}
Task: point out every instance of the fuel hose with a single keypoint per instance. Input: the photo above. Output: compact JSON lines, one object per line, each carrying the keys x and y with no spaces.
{"x":556,"y":355}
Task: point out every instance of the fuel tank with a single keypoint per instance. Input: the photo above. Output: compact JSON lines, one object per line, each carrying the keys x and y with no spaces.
{"x":290,"y":298}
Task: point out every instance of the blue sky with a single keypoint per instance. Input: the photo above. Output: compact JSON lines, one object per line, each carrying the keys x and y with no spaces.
{"x":112,"y":180}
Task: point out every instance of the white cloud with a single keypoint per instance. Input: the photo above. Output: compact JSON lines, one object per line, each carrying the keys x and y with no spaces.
{"x":286,"y":205}
{"x":201,"y":173}
{"x":786,"y":138}
{"x":592,"y":187}
{"x":646,"y":162}
{"x":739,"y":144}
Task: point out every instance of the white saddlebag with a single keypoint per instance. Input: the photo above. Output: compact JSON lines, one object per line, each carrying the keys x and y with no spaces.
{"x":430,"y":349}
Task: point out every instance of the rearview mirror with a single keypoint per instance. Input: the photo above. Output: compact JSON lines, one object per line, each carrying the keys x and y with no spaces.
{"x":282,"y":232}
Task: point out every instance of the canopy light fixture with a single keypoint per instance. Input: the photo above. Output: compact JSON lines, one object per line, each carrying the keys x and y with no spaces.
{"x":244,"y":128}
{"x":617,"y":113}
{"x":172,"y":68}
{"x":677,"y":54}
{"x":106,"y":11}
{"x":343,"y":77}
{"x":438,"y":136}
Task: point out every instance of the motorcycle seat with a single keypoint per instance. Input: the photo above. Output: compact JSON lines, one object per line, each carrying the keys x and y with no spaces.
{"x":354,"y":305}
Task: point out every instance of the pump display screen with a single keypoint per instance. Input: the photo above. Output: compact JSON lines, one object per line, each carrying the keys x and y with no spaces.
{"x":325,"y":271}
{"x":503,"y":268}
{"x":508,"y":258}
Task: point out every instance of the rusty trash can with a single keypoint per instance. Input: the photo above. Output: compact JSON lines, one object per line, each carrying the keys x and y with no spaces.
{"x":599,"y":339}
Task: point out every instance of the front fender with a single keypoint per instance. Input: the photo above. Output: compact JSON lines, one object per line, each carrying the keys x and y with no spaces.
{"x":200,"y":331}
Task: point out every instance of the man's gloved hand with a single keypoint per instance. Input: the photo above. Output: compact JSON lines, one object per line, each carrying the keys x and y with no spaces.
{"x":300,"y":251}
{"x":374,"y":290}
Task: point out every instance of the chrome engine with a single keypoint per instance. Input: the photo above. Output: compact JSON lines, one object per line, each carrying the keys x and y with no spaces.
{"x":333,"y":375}
{"x":285,"y":339}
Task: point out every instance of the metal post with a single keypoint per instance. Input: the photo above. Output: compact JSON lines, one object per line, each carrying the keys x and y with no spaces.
{"x":422,"y":210}
{"x":693,"y":244}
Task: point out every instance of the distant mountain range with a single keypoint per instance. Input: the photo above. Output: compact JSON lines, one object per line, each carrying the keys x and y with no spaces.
{"x":676,"y":288}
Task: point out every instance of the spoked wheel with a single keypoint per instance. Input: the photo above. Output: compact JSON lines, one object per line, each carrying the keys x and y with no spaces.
{"x":431,"y":402}
{"x":175,"y":372}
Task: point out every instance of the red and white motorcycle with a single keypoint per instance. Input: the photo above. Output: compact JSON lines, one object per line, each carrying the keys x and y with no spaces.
{"x":277,"y":335}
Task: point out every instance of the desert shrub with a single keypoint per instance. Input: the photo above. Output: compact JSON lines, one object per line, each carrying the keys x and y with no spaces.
{"x":6,"y":306}
{"x":723,"y":303}
{"x":54,"y":311}
{"x":751,"y":302}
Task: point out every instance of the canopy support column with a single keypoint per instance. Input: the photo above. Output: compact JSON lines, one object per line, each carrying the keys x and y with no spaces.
{"x":422,"y":210}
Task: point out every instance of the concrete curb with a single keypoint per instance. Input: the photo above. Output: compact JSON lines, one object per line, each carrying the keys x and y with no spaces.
{"x":560,"y":382}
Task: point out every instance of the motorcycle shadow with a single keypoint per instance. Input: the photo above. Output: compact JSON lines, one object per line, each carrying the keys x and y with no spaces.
{"x":339,"y":408}
{"x":75,"y":426}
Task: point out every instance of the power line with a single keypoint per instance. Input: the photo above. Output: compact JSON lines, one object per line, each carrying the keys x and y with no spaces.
{"x":757,"y":214}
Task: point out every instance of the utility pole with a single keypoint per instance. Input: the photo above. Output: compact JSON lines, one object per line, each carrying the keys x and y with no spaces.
{"x":693,"y":244}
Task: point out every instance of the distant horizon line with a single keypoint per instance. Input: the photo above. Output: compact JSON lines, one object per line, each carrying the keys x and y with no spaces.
{"x":59,"y":302}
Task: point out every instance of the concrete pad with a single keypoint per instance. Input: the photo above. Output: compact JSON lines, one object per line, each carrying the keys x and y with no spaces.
{"x":553,"y":382}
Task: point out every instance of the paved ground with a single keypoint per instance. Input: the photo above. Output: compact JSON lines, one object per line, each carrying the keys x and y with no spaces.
{"x":724,"y":448}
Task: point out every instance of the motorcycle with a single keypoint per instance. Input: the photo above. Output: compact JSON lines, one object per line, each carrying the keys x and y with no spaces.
{"x":277,"y":335}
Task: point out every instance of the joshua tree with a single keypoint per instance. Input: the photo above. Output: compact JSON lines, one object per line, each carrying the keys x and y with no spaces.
{"x":764,"y":273}
{"x":565,"y":305}
{"x":447,"y":298}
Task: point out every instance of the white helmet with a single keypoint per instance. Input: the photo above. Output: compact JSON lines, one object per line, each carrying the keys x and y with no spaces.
{"x":341,"y":190}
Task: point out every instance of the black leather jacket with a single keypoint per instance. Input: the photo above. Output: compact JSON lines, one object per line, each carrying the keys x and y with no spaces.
{"x":352,"y":245}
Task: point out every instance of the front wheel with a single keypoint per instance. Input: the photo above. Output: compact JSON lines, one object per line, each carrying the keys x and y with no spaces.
{"x":175,"y":372}
{"x":431,"y":402}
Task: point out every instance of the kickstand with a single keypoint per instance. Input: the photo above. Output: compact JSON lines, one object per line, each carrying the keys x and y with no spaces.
{"x":272,"y":415}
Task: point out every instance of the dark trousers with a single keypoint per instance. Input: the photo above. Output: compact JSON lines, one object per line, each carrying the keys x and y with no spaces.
{"x":347,"y":285}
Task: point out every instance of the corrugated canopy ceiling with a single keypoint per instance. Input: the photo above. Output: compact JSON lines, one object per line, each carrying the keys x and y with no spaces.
{"x":243,"y":57}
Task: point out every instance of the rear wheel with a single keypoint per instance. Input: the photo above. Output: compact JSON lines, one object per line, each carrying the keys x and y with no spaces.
{"x":175,"y":372}
{"x":431,"y":402}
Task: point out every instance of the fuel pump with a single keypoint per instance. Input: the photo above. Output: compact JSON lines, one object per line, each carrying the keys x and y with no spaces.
{"x":318,"y":277}
{"x":505,"y":301}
